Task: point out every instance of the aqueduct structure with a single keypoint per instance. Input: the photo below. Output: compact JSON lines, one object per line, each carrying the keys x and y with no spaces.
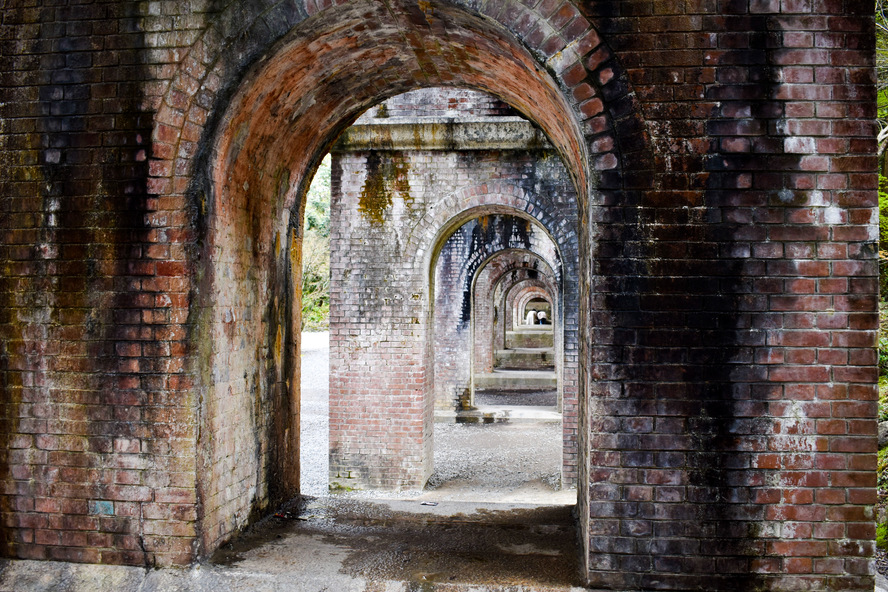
{"x":715,"y":224}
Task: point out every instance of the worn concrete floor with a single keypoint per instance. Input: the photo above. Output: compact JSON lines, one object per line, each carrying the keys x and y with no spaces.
{"x":347,"y":545}
{"x":493,"y":519}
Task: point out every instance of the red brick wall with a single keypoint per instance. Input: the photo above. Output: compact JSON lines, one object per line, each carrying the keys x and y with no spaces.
{"x":732,"y":324}
{"x":724,"y":158}
{"x":98,"y":461}
{"x":386,"y":212}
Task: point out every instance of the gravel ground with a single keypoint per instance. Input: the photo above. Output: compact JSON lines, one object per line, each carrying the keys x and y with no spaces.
{"x":315,"y":442}
{"x":511,"y":462}
{"x":500,"y":462}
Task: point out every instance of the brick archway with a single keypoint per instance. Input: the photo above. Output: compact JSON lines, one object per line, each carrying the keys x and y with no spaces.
{"x":512,"y":311}
{"x":492,"y":286}
{"x":498,"y":283}
{"x":493,"y":197}
{"x":726,"y":260}
{"x":253,"y":196}
{"x":558,"y":221}
{"x":523,"y":297}
{"x":461,"y":261}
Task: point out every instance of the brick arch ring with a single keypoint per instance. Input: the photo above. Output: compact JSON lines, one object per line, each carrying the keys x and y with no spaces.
{"x":491,"y":279}
{"x":481,"y":259}
{"x":515,"y":300}
{"x":562,"y":40}
{"x":261,"y":95}
{"x":455,"y":209}
{"x":526,"y":294}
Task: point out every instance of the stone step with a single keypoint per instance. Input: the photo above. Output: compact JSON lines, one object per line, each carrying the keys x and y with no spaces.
{"x":541,"y":398}
{"x":500,"y":414}
{"x":516,"y":380}
{"x":529,"y":337}
{"x":525,"y":358}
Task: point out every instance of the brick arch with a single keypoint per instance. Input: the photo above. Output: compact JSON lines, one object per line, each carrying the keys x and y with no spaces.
{"x":248,"y":204}
{"x":231,"y":144}
{"x":456,"y":208}
{"x":513,"y":316}
{"x":497,"y":277}
{"x":495,"y":196}
{"x":525,"y":295}
{"x":513,"y":303}
{"x":453,"y":210}
{"x":453,"y":278}
{"x":560,"y":38}
{"x":752,"y":211}
{"x":540,"y":246}
{"x":188,"y":118}
{"x":501,"y":272}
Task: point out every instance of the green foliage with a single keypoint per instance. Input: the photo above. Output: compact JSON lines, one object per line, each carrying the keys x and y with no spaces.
{"x":883,"y":392}
{"x":316,"y":252}
{"x":882,"y":468}
{"x":317,"y":201}
{"x":882,"y":536}
{"x":883,"y":241}
{"x":883,"y":213}
{"x":883,"y":341}
{"x":883,"y":356}
{"x":882,"y":61}
{"x":315,"y":281}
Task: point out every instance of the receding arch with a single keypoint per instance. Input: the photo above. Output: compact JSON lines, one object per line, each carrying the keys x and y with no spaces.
{"x":461,"y":254}
{"x":527,"y":296}
{"x":490,"y":295}
{"x":283,"y":115}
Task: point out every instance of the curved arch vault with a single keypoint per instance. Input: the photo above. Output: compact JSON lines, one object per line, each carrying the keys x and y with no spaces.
{"x":286,"y":113}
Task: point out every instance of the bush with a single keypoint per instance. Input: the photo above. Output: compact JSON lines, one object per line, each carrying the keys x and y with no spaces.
{"x":883,"y":355}
{"x":316,"y":252}
{"x":881,"y":468}
{"x":317,"y":201}
{"x":315,"y":281}
{"x":883,"y":237}
{"x":883,"y":336}
{"x":883,"y":398}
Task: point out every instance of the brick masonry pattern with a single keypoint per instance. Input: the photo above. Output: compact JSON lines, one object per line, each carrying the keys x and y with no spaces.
{"x":724,"y":153}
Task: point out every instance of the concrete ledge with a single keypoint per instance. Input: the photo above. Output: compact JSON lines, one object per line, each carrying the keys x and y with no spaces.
{"x":516,"y":380}
{"x":500,"y":414}
{"x":488,"y":133}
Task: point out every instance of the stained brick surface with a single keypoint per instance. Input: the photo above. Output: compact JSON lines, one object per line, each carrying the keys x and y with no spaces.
{"x":402,"y":272}
{"x":471,"y":251}
{"x":154,"y":157}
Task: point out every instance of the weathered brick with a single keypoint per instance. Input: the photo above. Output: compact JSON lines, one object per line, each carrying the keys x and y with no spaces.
{"x":687,"y":211}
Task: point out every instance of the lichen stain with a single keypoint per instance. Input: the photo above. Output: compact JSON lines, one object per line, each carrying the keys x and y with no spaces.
{"x":385,"y":178}
{"x":278,"y":347}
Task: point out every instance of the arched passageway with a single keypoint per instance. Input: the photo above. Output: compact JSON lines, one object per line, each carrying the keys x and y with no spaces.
{"x":254,"y":200}
{"x":722,"y":160}
{"x":470,"y":253}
